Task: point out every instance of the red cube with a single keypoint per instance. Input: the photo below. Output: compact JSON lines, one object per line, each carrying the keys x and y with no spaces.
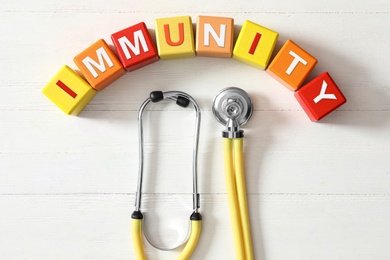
{"x":319,"y":97}
{"x":135,"y":47}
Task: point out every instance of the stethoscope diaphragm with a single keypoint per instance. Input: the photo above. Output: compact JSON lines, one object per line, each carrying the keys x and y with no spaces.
{"x":232,"y":103}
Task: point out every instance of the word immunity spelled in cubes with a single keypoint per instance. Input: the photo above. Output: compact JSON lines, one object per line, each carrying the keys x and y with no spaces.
{"x":175,"y":39}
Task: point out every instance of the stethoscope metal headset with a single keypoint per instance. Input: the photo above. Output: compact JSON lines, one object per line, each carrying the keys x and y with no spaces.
{"x":182,"y":99}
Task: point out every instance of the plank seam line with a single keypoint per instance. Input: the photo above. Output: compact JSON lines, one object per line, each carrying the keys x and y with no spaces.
{"x":207,"y":194}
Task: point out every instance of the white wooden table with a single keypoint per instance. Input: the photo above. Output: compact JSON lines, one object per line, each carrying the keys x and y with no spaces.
{"x":315,"y":190}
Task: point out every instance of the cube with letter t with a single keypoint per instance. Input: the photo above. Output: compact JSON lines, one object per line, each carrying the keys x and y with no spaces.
{"x":292,"y":65}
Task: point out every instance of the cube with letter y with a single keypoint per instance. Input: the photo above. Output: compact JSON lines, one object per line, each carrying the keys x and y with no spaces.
{"x":99,"y":65}
{"x":69,"y":91}
{"x":320,"y":97}
{"x":135,"y":47}
{"x":175,"y":37}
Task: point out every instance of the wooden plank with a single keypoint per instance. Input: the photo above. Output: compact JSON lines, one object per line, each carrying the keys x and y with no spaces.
{"x":284,"y":152}
{"x":81,"y":226}
{"x":236,"y":6}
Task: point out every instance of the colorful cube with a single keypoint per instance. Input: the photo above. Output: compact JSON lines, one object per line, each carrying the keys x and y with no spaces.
{"x":214,"y":36}
{"x":319,"y":97}
{"x":254,"y":45}
{"x":70,"y":92}
{"x":292,"y":65}
{"x":135,"y":47}
{"x":175,"y":37}
{"x":99,"y":65}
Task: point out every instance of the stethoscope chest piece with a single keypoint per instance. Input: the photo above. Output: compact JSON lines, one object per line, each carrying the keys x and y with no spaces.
{"x":232,"y":104}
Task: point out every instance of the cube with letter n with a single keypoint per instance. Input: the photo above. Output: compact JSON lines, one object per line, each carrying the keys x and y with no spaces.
{"x":214,"y":36}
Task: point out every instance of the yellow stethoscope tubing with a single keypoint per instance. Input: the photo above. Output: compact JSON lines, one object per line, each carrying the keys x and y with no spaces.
{"x":136,"y":233}
{"x":196,"y":227}
{"x":234,"y":207}
{"x":236,"y":190}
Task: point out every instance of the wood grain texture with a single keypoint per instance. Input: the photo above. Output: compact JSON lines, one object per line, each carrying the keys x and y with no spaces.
{"x":315,"y":190}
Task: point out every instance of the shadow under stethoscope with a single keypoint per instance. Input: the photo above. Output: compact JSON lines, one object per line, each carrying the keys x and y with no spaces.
{"x":258,"y":139}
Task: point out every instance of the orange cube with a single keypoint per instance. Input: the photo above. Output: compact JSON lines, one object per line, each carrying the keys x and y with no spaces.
{"x":292,"y":65}
{"x":214,"y":36}
{"x":99,"y":65}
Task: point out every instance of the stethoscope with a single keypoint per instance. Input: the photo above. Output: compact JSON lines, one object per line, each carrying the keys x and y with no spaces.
{"x":182,"y":99}
{"x":232,"y":107}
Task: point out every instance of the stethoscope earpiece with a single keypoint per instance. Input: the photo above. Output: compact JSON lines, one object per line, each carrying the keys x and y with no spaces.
{"x":157,"y":96}
{"x":182,"y":99}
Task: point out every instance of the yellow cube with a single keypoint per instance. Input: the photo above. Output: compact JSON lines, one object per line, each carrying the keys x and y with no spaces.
{"x":69,"y":91}
{"x":175,"y":38}
{"x":255,"y":45}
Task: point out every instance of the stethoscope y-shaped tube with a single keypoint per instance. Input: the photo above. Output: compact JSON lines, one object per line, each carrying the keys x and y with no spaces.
{"x":232,"y":107}
{"x":182,"y":99}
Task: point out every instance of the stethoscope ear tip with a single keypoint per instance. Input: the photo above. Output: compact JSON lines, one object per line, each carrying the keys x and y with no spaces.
{"x":156,"y":96}
{"x":182,"y":101}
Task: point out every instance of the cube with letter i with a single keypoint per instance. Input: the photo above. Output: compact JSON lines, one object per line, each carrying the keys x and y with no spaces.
{"x":175,"y":37}
{"x":291,"y":65}
{"x":214,"y":36}
{"x":319,"y":97}
{"x":99,"y":65}
{"x":135,"y":47}
{"x":69,"y":91}
{"x":255,"y":45}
